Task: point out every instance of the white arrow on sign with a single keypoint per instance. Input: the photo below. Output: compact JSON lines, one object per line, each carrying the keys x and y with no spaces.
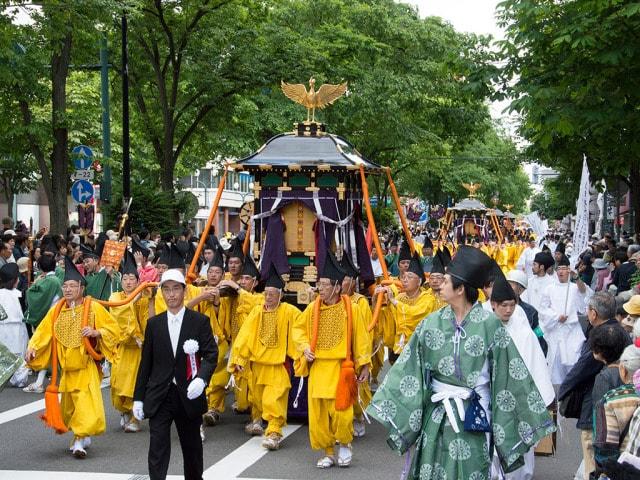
{"x":83,"y":175}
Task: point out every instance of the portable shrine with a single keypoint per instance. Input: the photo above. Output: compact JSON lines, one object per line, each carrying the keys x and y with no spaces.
{"x":470,"y":221}
{"x":310,"y":196}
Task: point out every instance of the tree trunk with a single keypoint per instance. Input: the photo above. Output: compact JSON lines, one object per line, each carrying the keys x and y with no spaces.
{"x":634,"y":192}
{"x":8,"y":196}
{"x":58,"y":203}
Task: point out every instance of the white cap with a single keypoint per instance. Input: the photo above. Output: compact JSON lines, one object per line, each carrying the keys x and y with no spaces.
{"x":518,"y":276}
{"x":9,"y":232}
{"x":172,"y":274}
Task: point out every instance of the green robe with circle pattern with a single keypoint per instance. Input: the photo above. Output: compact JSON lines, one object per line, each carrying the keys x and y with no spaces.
{"x":403,"y":403}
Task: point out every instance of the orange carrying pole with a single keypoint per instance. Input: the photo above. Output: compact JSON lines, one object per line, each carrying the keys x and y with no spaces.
{"x":376,"y":242}
{"x":191,"y":274}
{"x":129,"y":298}
{"x":403,"y":220}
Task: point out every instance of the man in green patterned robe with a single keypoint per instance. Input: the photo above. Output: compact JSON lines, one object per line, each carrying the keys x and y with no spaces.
{"x":423,"y":399}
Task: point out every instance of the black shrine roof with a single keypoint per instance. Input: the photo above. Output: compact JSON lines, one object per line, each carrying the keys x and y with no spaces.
{"x":307,"y":151}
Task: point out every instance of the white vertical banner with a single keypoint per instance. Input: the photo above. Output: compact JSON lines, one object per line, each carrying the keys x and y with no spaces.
{"x":581,"y":231}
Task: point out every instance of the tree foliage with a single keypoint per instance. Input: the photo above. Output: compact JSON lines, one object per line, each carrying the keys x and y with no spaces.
{"x":572,"y":70}
{"x":557,"y":199}
{"x":205,"y":80}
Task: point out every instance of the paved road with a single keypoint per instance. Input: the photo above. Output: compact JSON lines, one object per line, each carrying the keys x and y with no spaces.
{"x":29,"y":451}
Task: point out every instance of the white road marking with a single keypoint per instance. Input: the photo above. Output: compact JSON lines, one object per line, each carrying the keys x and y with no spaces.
{"x":242,"y":457}
{"x":28,"y":409}
{"x":229,"y":467}
{"x":21,"y":411}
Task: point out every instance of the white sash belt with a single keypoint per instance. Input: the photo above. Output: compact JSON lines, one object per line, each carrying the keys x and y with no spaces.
{"x":443,"y":392}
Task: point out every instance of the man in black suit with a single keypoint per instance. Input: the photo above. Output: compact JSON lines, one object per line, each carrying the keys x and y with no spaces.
{"x":164,"y":390}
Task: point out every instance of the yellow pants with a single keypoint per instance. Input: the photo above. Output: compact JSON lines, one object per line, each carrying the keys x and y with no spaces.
{"x":216,"y":392}
{"x":377,"y":360}
{"x":83,"y":410}
{"x":328,"y":425}
{"x":242,"y":392}
{"x":269,"y":393}
{"x":123,"y":377}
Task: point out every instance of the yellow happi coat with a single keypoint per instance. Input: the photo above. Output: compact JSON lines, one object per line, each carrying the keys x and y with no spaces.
{"x":386,"y":320}
{"x":232,"y":312}
{"x":438,"y":302}
{"x":82,"y":406}
{"x":502,"y":258}
{"x":262,"y":345}
{"x":326,"y":424}
{"x":132,"y":320}
{"x":364,"y":389}
{"x":222,"y":333}
{"x":190,"y":293}
{"x":408,"y":313}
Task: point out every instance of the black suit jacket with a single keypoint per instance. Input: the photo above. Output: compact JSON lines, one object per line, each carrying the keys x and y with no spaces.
{"x":159,"y":367}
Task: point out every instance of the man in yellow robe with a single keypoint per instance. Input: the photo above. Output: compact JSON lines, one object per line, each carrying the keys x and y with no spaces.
{"x":233,"y":311}
{"x":322,"y":364}
{"x":364,"y":390}
{"x":263,"y":344}
{"x":408,"y":308}
{"x":132,"y":320}
{"x":82,"y":406}
{"x":440,"y":262}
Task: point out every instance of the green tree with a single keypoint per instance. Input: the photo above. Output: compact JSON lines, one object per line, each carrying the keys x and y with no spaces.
{"x":557,"y":199}
{"x":491,"y":160}
{"x":34,"y":72}
{"x":572,"y":70}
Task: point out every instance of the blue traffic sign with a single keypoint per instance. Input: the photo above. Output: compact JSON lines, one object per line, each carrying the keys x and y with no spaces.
{"x":82,"y":157}
{"x":82,"y":191}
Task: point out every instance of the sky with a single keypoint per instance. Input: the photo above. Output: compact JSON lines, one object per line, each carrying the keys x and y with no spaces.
{"x":477,"y":16}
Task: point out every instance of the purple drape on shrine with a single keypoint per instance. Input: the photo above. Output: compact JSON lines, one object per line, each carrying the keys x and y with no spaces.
{"x":274,"y":249}
{"x":362,"y":254}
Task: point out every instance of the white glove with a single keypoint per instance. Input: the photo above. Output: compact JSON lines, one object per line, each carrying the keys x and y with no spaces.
{"x":195,"y":388}
{"x":138,"y":410}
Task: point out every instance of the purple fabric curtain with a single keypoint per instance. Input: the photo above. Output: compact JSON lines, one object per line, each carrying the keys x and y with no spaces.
{"x":274,"y":249}
{"x":362,"y":254}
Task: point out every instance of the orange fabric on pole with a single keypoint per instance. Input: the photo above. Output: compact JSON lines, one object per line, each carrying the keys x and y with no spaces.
{"x":191,"y":275}
{"x":368,"y":240}
{"x":52,"y":416}
{"x":347,"y":389}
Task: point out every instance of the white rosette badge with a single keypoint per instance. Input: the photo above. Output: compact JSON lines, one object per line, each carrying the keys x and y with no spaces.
{"x":190,"y":348}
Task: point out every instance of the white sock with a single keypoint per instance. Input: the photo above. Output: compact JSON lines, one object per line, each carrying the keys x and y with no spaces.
{"x":41,"y":376}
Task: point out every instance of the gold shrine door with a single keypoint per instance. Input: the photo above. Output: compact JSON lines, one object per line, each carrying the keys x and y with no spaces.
{"x":299,"y":236}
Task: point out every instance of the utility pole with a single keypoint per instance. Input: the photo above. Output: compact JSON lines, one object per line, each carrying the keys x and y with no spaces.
{"x":105,"y":187}
{"x":126,"y":165}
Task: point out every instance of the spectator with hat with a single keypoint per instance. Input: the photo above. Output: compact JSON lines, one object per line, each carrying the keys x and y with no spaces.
{"x":602,"y":276}
{"x":632,"y":308}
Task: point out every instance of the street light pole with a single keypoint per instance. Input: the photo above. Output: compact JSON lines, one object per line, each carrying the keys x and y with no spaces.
{"x":126,"y":166}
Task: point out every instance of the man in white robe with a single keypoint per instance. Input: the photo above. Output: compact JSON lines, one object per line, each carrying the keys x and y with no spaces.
{"x":504,"y":304}
{"x":525,"y":262}
{"x":541,"y":279}
{"x":560,"y":305}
